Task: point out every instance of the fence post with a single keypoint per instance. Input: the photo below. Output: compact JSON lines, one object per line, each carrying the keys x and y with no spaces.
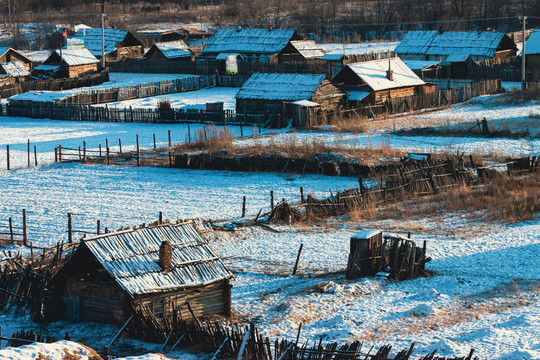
{"x":154,"y":141}
{"x":302,"y":200}
{"x":60,"y":153}
{"x":25,"y":233}
{"x":170,"y":143}
{"x":98,"y":227}
{"x":28,"y":152}
{"x":120,"y":145}
{"x":297,"y":259}
{"x":84,"y":150}
{"x":35,"y":156}
{"x":189,"y":134}
{"x":244,"y":207}
{"x":7,"y":152}
{"x":271,"y":199}
{"x":11,"y":229}
{"x":138,"y":152}
{"x":70,"y":233}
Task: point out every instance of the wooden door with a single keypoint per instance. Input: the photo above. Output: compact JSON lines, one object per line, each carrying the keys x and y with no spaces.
{"x":74,"y":307}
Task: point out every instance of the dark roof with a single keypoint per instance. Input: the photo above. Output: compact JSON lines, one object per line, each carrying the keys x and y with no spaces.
{"x":248,"y":41}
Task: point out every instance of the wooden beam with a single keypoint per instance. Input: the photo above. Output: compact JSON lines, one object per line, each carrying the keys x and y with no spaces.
{"x":120,"y":331}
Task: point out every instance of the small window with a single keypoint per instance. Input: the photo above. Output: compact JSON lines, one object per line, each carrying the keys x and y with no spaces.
{"x":157,"y":308}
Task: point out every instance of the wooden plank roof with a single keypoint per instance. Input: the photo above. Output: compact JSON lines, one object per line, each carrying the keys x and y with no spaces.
{"x":92,"y":39}
{"x":309,"y":49}
{"x":174,"y":49}
{"x":248,"y":41}
{"x":14,"y":69}
{"x":284,"y":87}
{"x":73,"y":57}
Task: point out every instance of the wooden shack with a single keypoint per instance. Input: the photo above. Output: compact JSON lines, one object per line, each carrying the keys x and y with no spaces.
{"x":532,"y":51}
{"x":8,"y":54}
{"x":169,"y":51}
{"x":273,"y":93}
{"x":300,"y":50}
{"x":378,"y":80}
{"x":72,"y":63}
{"x":119,"y":44}
{"x":364,"y":254}
{"x":254,"y":45}
{"x":156,"y":270}
{"x":13,"y":72}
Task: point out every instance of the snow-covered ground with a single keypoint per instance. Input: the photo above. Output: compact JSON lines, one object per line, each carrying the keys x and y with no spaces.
{"x":186,"y":100}
{"x":359,"y":48}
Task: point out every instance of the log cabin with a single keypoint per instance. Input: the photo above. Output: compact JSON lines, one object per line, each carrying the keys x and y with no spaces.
{"x":274,"y":93}
{"x":169,"y":51}
{"x":8,"y":54}
{"x":119,"y":44}
{"x":378,"y":80}
{"x":71,"y":63}
{"x":155,"y":270}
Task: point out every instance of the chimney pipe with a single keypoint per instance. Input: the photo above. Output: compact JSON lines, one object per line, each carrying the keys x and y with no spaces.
{"x":165,"y":256}
{"x":389,"y":72}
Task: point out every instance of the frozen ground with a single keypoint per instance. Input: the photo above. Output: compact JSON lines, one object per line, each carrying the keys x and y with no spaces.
{"x":186,"y":100}
{"x":359,"y":48}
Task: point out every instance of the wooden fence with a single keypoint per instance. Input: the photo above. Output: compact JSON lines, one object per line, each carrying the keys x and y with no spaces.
{"x":54,"y":84}
{"x":11,"y":233}
{"x":507,"y":69}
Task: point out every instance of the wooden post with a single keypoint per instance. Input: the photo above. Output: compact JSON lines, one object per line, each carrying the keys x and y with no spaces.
{"x":55,"y":155}
{"x":138,"y":152}
{"x":154,"y":141}
{"x":99,"y":150}
{"x":160,"y":217}
{"x":84,"y":150}
{"x":28,"y":152}
{"x":25,"y":232}
{"x":189,"y":134}
{"x":119,"y":145}
{"x":170,"y":142}
{"x":7,"y":151}
{"x":298,"y":335}
{"x":98,"y":227}
{"x":302,"y":200}
{"x":108,"y":157}
{"x":35,"y":156}
{"x":70,"y":234}
{"x":297,"y":259}
{"x":244,"y":207}
{"x":79,"y":153}
{"x":11,"y":230}
{"x":271,"y":199}
{"x":60,"y":153}
{"x":244,"y":343}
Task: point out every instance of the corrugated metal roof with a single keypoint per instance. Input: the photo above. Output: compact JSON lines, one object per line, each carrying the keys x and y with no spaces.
{"x":450,"y":42}
{"x":532,"y":45}
{"x":131,"y":258}
{"x":308,"y":49}
{"x":92,"y":39}
{"x":74,"y":57}
{"x":248,"y":41}
{"x":288,"y":87}
{"x":15,"y":69}
{"x":373,"y":73}
{"x":174,"y":49}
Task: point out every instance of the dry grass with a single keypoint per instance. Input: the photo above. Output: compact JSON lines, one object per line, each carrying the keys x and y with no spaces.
{"x":530,"y":93}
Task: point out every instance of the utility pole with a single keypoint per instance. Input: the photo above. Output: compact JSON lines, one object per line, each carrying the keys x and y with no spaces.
{"x":523,"y":70}
{"x":103,"y":34}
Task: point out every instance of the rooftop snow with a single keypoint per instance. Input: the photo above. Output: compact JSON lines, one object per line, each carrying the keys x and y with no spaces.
{"x":420,"y":64}
{"x":450,"y":42}
{"x":131,"y":258}
{"x":92,"y":39}
{"x":174,"y":49}
{"x":73,"y":57}
{"x":308,"y":49}
{"x":366,"y":234}
{"x":15,"y":69}
{"x":373,"y":73}
{"x":306,"y":103}
{"x":248,"y":41}
{"x":39,"y":56}
{"x":292,"y":87}
{"x":532,"y":45}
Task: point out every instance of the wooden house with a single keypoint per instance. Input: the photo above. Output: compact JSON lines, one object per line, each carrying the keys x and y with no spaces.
{"x":119,"y":44}
{"x":375,"y":81}
{"x":273,"y":93}
{"x":158,"y":269}
{"x":455,"y":46}
{"x":8,"y":54}
{"x":300,"y":50}
{"x":254,"y":45}
{"x":13,"y":72}
{"x":71,"y":63}
{"x":169,"y":51}
{"x":532,"y":51}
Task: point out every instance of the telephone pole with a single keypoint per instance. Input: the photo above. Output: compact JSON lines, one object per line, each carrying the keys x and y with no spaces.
{"x":523,"y":70}
{"x":103,"y":34}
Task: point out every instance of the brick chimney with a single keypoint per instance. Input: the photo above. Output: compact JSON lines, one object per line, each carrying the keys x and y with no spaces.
{"x":165,"y":256}
{"x":389,"y":72}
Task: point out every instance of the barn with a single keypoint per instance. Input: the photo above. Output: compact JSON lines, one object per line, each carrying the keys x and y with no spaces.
{"x":532,"y":51}
{"x":71,"y":63}
{"x":8,"y":54}
{"x":300,"y":50}
{"x":169,"y":51}
{"x":274,"y":93}
{"x":455,"y":46}
{"x":119,"y":44}
{"x":254,"y":45}
{"x":156,"y":269}
{"x":377,"y":80}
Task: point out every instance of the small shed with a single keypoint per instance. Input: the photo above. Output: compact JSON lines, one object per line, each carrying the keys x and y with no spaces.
{"x":8,"y":54}
{"x":364,"y":254}
{"x":300,"y":50}
{"x":170,"y":51}
{"x":15,"y":70}
{"x":72,"y":62}
{"x":305,"y":113}
{"x":158,"y":269}
{"x":532,"y":51}
{"x":255,"y":45}
{"x":273,"y":93}
{"x":383,"y":79}
{"x":119,"y":44}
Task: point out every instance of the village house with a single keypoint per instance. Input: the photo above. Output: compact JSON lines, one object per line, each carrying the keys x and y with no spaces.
{"x":13,"y":72}
{"x":532,"y":51}
{"x":170,"y":51}
{"x":300,"y":50}
{"x":119,"y":44}
{"x":254,"y":45}
{"x":8,"y":54}
{"x":157,"y":270}
{"x":378,"y":80}
{"x":69,"y":63}
{"x":455,"y":48}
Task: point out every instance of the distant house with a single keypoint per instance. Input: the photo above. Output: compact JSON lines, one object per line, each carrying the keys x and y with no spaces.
{"x":8,"y":54}
{"x":455,"y":46}
{"x":38,"y":57}
{"x":300,"y":50}
{"x":162,"y":35}
{"x":157,"y":270}
{"x":532,"y":51}
{"x":424,"y":68}
{"x":70,"y":63}
{"x":257,"y":45}
{"x":378,"y":80}
{"x":13,"y":72}
{"x":170,"y":51}
{"x":119,"y":44}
